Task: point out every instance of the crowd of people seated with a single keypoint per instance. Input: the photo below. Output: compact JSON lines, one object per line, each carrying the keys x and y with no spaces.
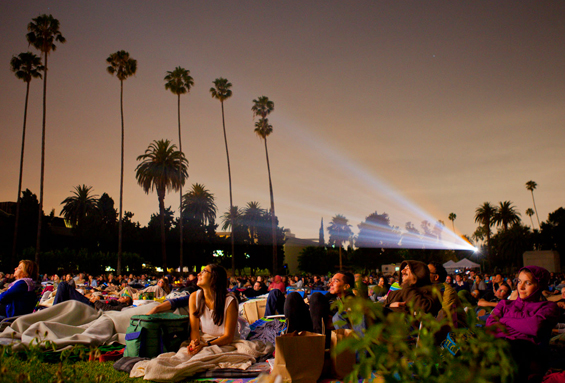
{"x":529,"y":304}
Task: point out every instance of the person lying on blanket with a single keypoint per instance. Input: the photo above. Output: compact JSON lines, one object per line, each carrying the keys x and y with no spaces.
{"x":65,"y":292}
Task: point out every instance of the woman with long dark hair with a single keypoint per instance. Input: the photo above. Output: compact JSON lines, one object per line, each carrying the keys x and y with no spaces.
{"x":213,"y":311}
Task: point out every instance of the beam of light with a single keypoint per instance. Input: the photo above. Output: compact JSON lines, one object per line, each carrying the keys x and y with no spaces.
{"x":399,"y":207}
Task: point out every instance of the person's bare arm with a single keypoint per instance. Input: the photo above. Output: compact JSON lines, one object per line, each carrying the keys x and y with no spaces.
{"x":165,"y":306}
{"x":195,"y":343}
{"x":484,"y":303}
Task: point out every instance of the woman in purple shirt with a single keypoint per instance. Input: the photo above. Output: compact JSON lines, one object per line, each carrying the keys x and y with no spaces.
{"x":20,"y":298}
{"x":527,"y":321}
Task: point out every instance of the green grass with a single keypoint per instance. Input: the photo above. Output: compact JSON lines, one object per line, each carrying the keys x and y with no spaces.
{"x":13,"y":369}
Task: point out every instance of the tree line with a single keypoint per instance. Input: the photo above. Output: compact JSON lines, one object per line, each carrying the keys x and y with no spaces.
{"x":163,"y":168}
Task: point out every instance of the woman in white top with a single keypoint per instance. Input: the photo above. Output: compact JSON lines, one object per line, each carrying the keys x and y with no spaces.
{"x":212,"y":310}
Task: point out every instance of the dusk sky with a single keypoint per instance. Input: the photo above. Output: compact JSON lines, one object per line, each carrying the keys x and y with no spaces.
{"x":413,"y":108}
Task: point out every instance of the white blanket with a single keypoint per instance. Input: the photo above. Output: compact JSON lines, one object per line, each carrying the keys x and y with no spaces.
{"x":70,"y":323}
{"x":176,"y":366}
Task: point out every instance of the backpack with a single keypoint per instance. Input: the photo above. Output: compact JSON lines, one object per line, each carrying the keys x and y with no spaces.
{"x":151,"y":335}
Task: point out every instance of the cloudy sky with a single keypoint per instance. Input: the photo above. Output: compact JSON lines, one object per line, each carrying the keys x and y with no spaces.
{"x":413,"y":108}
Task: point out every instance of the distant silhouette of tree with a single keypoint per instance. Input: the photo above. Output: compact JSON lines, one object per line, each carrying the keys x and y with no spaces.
{"x":221,"y":92}
{"x":262,"y":107}
{"x":123,"y":66}
{"x":25,"y":66}
{"x":159,"y":171}
{"x":198,"y":204}
{"x":530,"y":213}
{"x":484,"y":215}
{"x":531,"y":186}
{"x":252,"y":218}
{"x":43,"y":33}
{"x":452,"y":217}
{"x":340,"y":232}
{"x":179,"y":82}
{"x":506,"y":215}
{"x":79,"y":205}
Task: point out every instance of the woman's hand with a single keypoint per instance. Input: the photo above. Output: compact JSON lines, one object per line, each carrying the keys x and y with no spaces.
{"x":194,"y":347}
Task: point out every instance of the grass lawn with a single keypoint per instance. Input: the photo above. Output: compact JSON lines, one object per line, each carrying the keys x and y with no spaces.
{"x":13,"y":369}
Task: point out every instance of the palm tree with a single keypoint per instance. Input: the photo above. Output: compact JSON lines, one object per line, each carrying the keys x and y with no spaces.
{"x":531,"y":186}
{"x":252,"y":215}
{"x":221,"y":91}
{"x":484,"y":215}
{"x":179,"y":82}
{"x":262,"y":107}
{"x":25,"y":67}
{"x":529,"y":213}
{"x":43,"y":33}
{"x":452,"y":217}
{"x":199,"y":204}
{"x":123,"y":67}
{"x":340,"y":231}
{"x":79,"y":205}
{"x":163,"y":168}
{"x":231,"y":218}
{"x":506,"y":215}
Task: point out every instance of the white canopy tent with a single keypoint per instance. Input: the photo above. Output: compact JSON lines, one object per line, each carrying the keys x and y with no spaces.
{"x":451,"y":266}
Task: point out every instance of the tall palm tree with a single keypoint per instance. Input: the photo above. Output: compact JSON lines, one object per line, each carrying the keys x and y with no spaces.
{"x":262,"y":107}
{"x":25,"y":67}
{"x":452,"y":217}
{"x":123,"y":67}
{"x":531,"y":186}
{"x":340,"y":231}
{"x":484,"y":215}
{"x":179,"y":82}
{"x":163,"y":168}
{"x":199,"y":204}
{"x":221,"y":92}
{"x":79,"y":205}
{"x":506,"y":215}
{"x":529,"y":213}
{"x":43,"y":33}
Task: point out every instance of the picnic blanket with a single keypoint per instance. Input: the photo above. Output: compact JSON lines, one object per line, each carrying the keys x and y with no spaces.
{"x":176,"y":366}
{"x":70,"y":323}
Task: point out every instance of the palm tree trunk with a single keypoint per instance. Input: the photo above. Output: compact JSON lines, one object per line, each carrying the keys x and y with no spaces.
{"x":15,"y":244}
{"x":536,"y":209}
{"x":488,"y":244}
{"x":180,"y":175}
{"x":532,"y":221}
{"x":231,"y":200}
{"x":161,"y":196}
{"x":340,"y":263}
{"x":40,"y":214}
{"x":273,"y":223}
{"x":119,"y":268}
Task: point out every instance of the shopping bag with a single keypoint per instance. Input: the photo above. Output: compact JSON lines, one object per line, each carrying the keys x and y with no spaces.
{"x":299,"y":356}
{"x":342,"y":363}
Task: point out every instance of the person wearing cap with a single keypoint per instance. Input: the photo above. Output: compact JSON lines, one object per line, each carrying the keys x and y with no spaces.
{"x":526,"y":322}
{"x":416,"y":291}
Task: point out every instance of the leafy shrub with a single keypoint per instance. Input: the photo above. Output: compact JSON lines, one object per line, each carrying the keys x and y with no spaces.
{"x":403,"y":348}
